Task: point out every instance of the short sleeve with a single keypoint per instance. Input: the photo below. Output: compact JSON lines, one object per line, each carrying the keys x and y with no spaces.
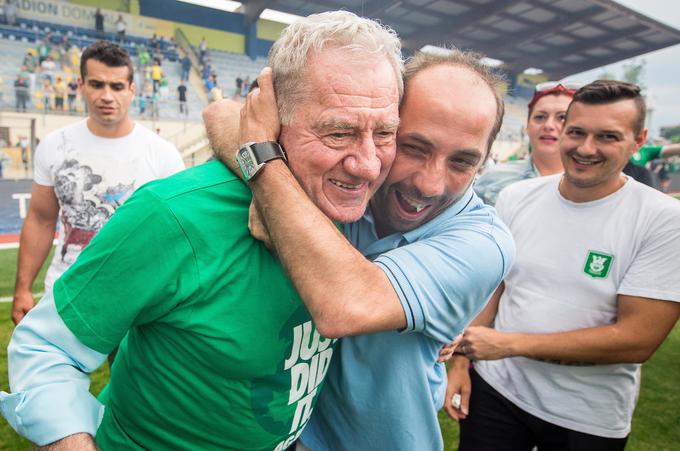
{"x":135,"y":270}
{"x":655,"y":270}
{"x":443,"y":282}
{"x":41,"y":164}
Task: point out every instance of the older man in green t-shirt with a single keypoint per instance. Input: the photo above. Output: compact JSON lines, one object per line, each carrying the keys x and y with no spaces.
{"x":217,"y":350}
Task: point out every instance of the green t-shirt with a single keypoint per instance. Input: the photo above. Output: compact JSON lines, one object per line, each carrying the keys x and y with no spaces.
{"x":220,"y":353}
{"x":646,"y":154}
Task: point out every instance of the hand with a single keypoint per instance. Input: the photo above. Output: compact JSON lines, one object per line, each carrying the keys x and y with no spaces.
{"x":23,"y":302}
{"x":485,"y":343}
{"x":256,"y":226}
{"x":221,"y":120}
{"x":260,"y":116}
{"x":446,"y":352}
{"x":458,"y":385}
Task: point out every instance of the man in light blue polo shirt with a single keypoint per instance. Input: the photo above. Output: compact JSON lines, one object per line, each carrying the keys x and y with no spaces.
{"x":435,"y":254}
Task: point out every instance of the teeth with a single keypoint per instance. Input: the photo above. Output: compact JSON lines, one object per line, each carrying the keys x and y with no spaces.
{"x":586,"y":162}
{"x":418,"y":206}
{"x":344,"y":185}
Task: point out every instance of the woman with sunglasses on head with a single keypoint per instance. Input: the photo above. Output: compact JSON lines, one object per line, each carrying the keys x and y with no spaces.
{"x":547,"y":110}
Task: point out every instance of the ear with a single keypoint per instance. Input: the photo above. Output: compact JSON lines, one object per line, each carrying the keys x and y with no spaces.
{"x":641,"y":139}
{"x":133,"y":88}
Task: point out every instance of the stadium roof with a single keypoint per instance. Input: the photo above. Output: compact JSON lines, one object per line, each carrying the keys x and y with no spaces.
{"x":561,"y":37}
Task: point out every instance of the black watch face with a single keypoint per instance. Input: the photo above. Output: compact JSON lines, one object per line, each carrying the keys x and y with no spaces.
{"x":246,"y":162}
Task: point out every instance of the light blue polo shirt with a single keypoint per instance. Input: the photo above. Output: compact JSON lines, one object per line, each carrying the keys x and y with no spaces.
{"x":383,"y":390}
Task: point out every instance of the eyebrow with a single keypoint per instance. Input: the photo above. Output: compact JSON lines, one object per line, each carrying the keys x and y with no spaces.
{"x":469,"y":152}
{"x":331,"y":124}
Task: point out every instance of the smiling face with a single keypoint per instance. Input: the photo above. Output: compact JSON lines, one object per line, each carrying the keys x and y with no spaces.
{"x":447,"y":116}
{"x":341,"y":140}
{"x":596,"y":143}
{"x":545,"y":124}
{"x":108,"y":93}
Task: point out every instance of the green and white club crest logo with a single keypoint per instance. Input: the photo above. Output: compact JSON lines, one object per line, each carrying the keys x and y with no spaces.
{"x":598,"y":264}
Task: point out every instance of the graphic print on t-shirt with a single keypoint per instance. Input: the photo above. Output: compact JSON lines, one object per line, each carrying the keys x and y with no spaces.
{"x":86,"y":204}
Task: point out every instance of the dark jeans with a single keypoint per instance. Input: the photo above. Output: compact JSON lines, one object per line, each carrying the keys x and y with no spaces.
{"x":496,"y":424}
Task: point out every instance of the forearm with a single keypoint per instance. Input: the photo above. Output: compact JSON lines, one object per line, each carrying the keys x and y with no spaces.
{"x":595,"y":345}
{"x":49,"y":377}
{"x":75,"y":442}
{"x":344,"y":292}
{"x":670,"y":150}
{"x":34,"y":246}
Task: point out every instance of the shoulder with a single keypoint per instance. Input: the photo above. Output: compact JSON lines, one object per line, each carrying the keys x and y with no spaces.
{"x":152,"y":140}
{"x":659,"y":207}
{"x":500,"y":176}
{"x":526,"y":189}
{"x":212,"y":176}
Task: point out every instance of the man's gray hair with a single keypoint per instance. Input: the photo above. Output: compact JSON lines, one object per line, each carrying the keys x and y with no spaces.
{"x":335,"y":29}
{"x":473,"y":62}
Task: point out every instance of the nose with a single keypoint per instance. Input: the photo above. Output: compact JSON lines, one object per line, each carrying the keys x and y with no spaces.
{"x":107,"y":94}
{"x":430,"y":180}
{"x":587,"y":146}
{"x":363,"y":162}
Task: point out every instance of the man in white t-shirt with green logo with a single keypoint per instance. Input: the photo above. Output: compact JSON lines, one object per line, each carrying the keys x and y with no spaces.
{"x":588,"y":300}
{"x":83,"y":172}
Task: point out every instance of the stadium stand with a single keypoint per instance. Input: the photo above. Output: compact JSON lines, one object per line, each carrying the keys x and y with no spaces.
{"x":15,"y":41}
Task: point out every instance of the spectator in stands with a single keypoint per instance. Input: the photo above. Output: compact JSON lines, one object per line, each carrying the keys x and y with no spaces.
{"x":72,"y":87}
{"x":142,"y":104}
{"x":153,"y":42}
{"x":64,"y":48}
{"x":246,"y":86}
{"x":547,"y":110}
{"x":558,"y":348}
{"x":21,"y":90}
{"x":182,"y":96}
{"x":59,"y":94}
{"x":143,"y":55}
{"x":202,"y":50}
{"x":87,"y":170}
{"x":186,"y":68}
{"x":99,"y":23}
{"x":48,"y":68}
{"x":156,"y":74}
{"x":30,"y":62}
{"x":239,"y":88}
{"x":171,"y":49}
{"x":215,"y":92}
{"x":120,"y":29}
{"x":164,"y":89}
{"x":204,"y":308}
{"x":47,"y":94}
{"x":44,"y":49}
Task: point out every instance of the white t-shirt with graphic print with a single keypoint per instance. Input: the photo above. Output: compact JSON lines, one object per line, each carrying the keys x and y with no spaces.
{"x":573,"y":260}
{"x":92,"y":176}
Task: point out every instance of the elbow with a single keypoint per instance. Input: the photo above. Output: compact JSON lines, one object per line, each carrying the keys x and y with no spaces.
{"x":329,"y":330}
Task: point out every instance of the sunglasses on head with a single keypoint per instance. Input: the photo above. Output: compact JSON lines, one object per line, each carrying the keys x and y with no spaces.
{"x":555,"y":86}
{"x":549,"y":87}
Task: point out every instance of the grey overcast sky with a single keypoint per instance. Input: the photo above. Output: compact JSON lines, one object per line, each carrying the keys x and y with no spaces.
{"x":662,"y":71}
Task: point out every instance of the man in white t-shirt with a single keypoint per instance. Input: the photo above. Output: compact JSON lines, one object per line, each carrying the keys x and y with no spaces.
{"x":589,"y":299}
{"x":84,"y":171}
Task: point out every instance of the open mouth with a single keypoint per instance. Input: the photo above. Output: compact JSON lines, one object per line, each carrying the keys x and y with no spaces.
{"x":347,"y":186}
{"x":412,"y":208}
{"x":583,"y":163}
{"x":547,"y":139}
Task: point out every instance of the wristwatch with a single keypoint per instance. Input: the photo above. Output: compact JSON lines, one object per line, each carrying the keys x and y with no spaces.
{"x":253,"y":156}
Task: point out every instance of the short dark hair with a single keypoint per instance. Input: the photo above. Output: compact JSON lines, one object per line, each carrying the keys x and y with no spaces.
{"x":108,"y":53}
{"x":602,"y":92}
